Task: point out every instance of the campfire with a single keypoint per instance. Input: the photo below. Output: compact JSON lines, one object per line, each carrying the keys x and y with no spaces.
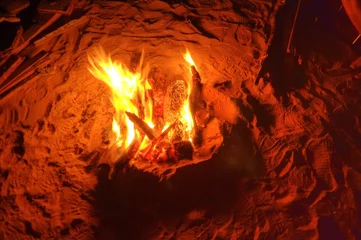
{"x":138,"y":136}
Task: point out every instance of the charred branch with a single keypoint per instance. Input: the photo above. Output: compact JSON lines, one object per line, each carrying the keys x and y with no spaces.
{"x":141,"y":125}
{"x":197,"y":105}
{"x":183,"y":150}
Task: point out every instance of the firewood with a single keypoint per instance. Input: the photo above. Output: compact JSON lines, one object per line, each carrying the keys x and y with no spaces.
{"x":21,"y":74}
{"x":15,"y":6}
{"x":195,"y":97}
{"x":290,"y":39}
{"x":60,"y":6}
{"x":165,"y":132}
{"x":183,"y":150}
{"x":8,"y":17}
{"x":9,"y":67}
{"x":40,"y":20}
{"x":134,"y":147}
{"x":61,"y":30}
{"x":23,"y":38}
{"x":141,"y":125}
{"x":6,"y":55}
{"x":36,"y":32}
{"x":197,"y":103}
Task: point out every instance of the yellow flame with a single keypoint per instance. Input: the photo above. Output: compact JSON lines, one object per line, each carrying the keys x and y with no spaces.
{"x":187,"y":120}
{"x":186,"y":113}
{"x":128,"y":94}
{"x":116,"y":130}
{"x":165,"y":127}
{"x":187,"y":56}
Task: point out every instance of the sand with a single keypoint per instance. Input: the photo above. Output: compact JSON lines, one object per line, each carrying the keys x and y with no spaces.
{"x":288,"y":169}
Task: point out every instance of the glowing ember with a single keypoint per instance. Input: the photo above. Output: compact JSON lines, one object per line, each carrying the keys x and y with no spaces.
{"x":131,"y":98}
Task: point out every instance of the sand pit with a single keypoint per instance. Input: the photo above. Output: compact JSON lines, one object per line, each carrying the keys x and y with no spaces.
{"x":288,"y":162}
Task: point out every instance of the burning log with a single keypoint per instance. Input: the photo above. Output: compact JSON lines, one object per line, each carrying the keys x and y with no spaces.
{"x":133,"y":148}
{"x":142,"y":126}
{"x":198,"y":107}
{"x":165,"y":132}
{"x":175,"y":152}
{"x":170,"y":152}
{"x":183,"y":150}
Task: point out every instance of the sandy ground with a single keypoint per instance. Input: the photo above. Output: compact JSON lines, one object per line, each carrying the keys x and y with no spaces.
{"x":289,"y":169}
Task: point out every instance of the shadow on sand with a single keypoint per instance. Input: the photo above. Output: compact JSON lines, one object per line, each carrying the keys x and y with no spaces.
{"x":132,"y":205}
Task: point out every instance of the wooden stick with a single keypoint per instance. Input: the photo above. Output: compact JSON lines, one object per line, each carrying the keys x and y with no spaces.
{"x":134,"y":147}
{"x":340,"y":8}
{"x":165,"y":132}
{"x":62,"y":29}
{"x":142,"y":126}
{"x":196,"y":92}
{"x":196,"y":103}
{"x":52,"y":20}
{"x":357,"y":38}
{"x":293,"y":27}
{"x":12,"y":68}
{"x":22,"y":74}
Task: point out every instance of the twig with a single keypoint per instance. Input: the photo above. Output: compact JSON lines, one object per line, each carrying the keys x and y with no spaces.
{"x":357,"y":38}
{"x":340,"y":8}
{"x":293,"y":27}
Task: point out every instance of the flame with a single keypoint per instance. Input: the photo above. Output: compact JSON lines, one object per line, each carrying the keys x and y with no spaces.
{"x":188,"y":57}
{"x":186,"y":113}
{"x":116,"y":130}
{"x":165,"y":127}
{"x":131,"y":92}
{"x":188,"y":120}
